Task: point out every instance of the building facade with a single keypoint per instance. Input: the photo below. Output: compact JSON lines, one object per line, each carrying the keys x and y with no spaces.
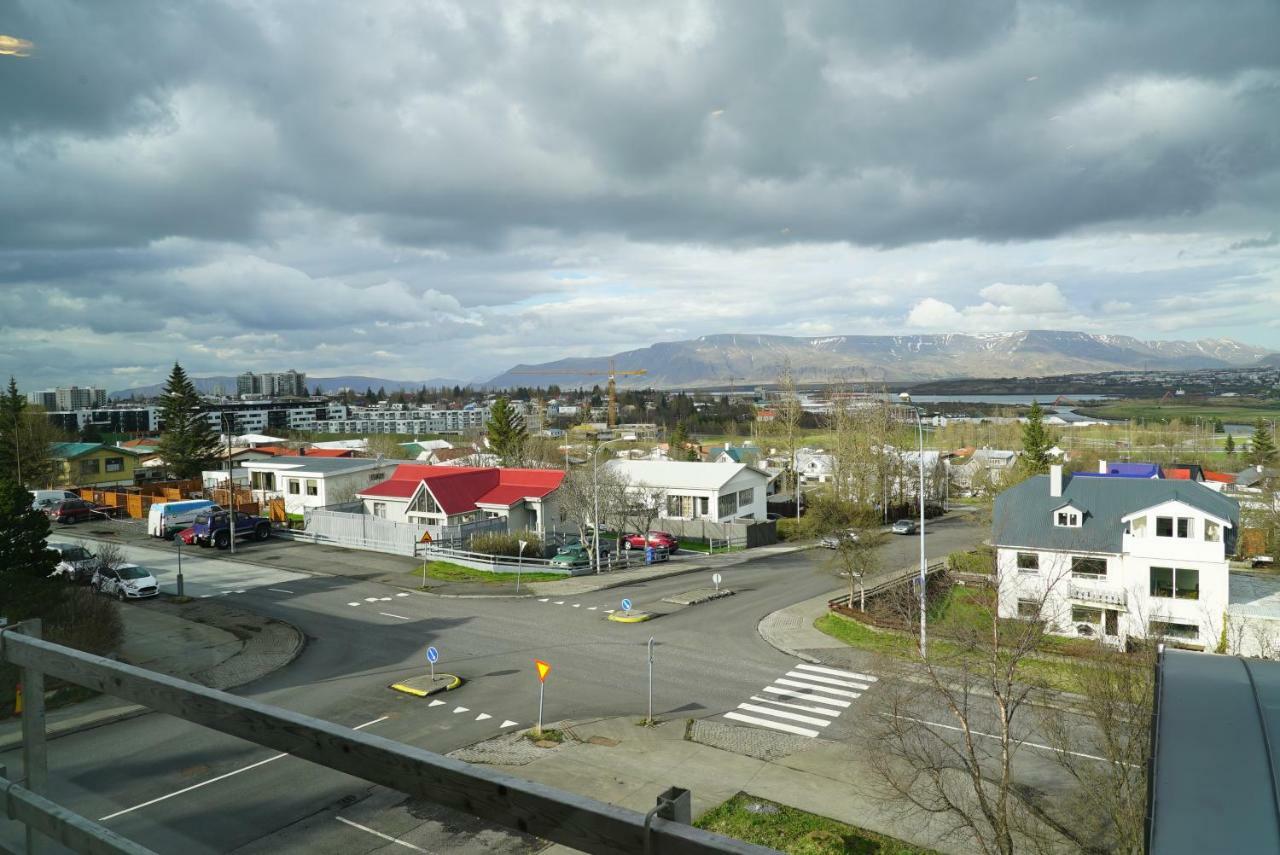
{"x":717,"y":492}
{"x":69,"y":398}
{"x":285,"y":384}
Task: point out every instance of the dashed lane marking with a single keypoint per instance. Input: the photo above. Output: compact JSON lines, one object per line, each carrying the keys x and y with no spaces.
{"x":280,"y":590}
{"x":386,"y":837}
{"x":397,"y":617}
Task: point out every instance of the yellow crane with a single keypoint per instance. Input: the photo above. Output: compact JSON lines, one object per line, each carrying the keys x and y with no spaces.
{"x":612,"y":372}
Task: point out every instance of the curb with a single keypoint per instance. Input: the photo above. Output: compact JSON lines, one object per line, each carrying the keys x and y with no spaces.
{"x":67,"y":728}
{"x":634,"y":617}
{"x":420,"y":693}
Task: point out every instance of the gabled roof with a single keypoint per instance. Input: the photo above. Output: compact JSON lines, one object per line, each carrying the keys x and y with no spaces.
{"x":1023,"y":514}
{"x":72,"y":450}
{"x":459,"y":489}
{"x":1220,"y":477}
{"x":677,"y":474}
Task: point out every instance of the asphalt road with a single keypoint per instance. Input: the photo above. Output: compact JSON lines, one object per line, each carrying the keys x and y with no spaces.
{"x":176,"y":787}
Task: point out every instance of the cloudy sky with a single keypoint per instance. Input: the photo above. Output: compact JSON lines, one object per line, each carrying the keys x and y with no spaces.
{"x":422,"y":189}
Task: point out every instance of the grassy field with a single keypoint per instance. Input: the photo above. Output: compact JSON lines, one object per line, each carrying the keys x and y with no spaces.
{"x":447,"y":572}
{"x":797,"y":832}
{"x":1231,"y":410}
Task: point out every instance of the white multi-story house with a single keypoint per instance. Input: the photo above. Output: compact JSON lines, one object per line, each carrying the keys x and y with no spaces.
{"x":716,"y":492}
{"x":985,"y":469}
{"x":1111,"y":557}
{"x":406,"y":420}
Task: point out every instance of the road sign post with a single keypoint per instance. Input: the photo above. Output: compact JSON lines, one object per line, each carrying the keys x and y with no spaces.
{"x":178,"y":540}
{"x":649,"y":721}
{"x":544,"y":668}
{"x":520,"y":563}
{"x":626,"y":605}
{"x":432,"y":656}
{"x":715,"y":578}
{"x":426,"y":538}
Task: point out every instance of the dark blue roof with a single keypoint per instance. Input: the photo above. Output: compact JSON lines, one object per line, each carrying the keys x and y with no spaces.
{"x":1127,"y":470}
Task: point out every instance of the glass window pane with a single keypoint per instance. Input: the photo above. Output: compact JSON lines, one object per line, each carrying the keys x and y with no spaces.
{"x":1138,"y":526}
{"x":1162,"y":581}
{"x":1164,"y":526}
{"x":1212,"y":532}
{"x":1187,"y":584}
{"x":1028,"y":560}
{"x":1184,"y":527}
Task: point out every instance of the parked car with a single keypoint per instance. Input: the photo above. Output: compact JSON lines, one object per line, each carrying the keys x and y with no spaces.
{"x":70,"y":511}
{"x":905,"y":527}
{"x":662,"y":539}
{"x":832,"y":541}
{"x":125,"y":582}
{"x":576,"y":555}
{"x":42,"y":500}
{"x":75,"y":563}
{"x":187,"y":536}
{"x":214,"y":529}
{"x":165,"y":518}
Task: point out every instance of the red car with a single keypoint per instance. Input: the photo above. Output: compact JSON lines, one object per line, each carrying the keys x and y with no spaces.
{"x":658,"y":539}
{"x":187,"y":536}
{"x":75,"y":510}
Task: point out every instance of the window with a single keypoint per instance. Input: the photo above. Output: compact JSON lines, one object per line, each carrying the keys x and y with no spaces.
{"x":704,"y":506}
{"x":1138,"y":526}
{"x":380,"y":509}
{"x":1212,"y":532}
{"x":263,"y":480}
{"x":746,"y":497}
{"x":1184,"y":527}
{"x":425,"y":503}
{"x":1173,"y":630}
{"x":1068,"y":518}
{"x":313,"y":488}
{"x":1088,"y":568}
{"x":115,"y":464}
{"x":727,"y":505}
{"x":1029,"y":560}
{"x":675,"y":506}
{"x":1178,"y":583}
{"x":90,"y":467}
{"x":1164,"y":526}
{"x":1084,"y":614}
{"x":295,"y":487}
{"x":1029,"y":609}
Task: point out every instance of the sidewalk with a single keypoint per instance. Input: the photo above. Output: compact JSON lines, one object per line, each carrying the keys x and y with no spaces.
{"x":203,"y":642}
{"x":619,"y":762}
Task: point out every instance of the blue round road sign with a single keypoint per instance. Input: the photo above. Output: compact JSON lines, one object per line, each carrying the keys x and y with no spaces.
{"x":433,"y":655}
{"x":626,"y":605}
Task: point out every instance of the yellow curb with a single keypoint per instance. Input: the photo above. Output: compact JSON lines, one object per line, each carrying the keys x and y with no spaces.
{"x":634,"y":617}
{"x":423,"y":693}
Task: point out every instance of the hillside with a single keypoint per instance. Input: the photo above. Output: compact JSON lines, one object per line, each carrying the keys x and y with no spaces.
{"x":713,"y":360}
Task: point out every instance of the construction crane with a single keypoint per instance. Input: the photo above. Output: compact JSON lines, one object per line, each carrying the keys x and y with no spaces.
{"x":612,"y":372}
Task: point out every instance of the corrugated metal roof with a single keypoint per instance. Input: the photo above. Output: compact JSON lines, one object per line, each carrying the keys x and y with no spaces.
{"x":1024,"y":514}
{"x":676,"y":474}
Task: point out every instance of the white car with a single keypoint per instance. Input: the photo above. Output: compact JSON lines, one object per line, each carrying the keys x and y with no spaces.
{"x":126,"y":582}
{"x":832,"y":541}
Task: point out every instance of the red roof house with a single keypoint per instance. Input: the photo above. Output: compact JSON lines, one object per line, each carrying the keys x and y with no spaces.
{"x":452,"y":495}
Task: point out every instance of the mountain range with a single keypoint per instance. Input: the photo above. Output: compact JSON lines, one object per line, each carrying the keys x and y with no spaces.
{"x":719,"y":360}
{"x":358,"y":383}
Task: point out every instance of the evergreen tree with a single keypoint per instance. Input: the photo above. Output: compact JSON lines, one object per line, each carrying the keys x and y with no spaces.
{"x":1036,"y":442}
{"x":189,"y":444}
{"x":1218,"y":426}
{"x":90,"y":433}
{"x":1263,"y":449}
{"x":369,"y":398}
{"x":677,"y":443}
{"x":12,"y":405}
{"x":25,"y":436}
{"x":25,"y":564}
{"x":1230,"y":445}
{"x":507,"y":433}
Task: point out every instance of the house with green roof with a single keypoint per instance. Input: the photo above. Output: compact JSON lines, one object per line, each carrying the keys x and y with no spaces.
{"x":1115,"y":558}
{"x":93,"y":464}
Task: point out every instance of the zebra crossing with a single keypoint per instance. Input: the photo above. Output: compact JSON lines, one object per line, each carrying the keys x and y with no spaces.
{"x":804,"y":700}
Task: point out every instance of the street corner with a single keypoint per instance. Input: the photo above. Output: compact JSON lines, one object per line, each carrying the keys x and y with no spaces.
{"x":632,"y":617}
{"x":426,"y":685}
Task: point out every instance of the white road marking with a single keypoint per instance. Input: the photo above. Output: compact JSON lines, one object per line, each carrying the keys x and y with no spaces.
{"x":397,"y":617}
{"x":608,"y":611}
{"x":483,"y":716}
{"x":840,"y":692}
{"x":545,"y":600}
{"x":592,"y":608}
{"x":280,"y":590}
{"x":402,"y":594}
{"x":223,"y":777}
{"x":773,"y":725}
{"x":827,"y":711}
{"x":241,"y":591}
{"x":386,"y":837}
{"x":436,"y":704}
{"x":828,"y":681}
{"x":510,"y":723}
{"x":818,"y":669}
{"x":353,"y":604}
{"x":460,"y":709}
{"x":559,"y":602}
{"x":794,"y":694}
{"x":371,"y":599}
{"x":384,"y":599}
{"x":577,"y":605}
{"x":807,"y":719}
{"x":993,"y":736}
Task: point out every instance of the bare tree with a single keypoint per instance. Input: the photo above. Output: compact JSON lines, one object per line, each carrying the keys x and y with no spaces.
{"x":786,"y":424}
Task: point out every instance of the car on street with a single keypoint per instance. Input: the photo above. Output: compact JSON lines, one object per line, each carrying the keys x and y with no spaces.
{"x":70,"y":511}
{"x":905,"y":527}
{"x":125,"y":582}
{"x":832,"y":541}
{"x":75,"y":563}
{"x":214,"y":529}
{"x":657,"y":539}
{"x":187,"y":536}
{"x":42,"y":500}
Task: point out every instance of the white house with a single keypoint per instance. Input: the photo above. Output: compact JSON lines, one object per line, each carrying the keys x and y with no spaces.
{"x":1113,"y":557}
{"x":815,"y":467}
{"x":313,"y":482}
{"x":718,"y":492}
{"x":985,"y":468}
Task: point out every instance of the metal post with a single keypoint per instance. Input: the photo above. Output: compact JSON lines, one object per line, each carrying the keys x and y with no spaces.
{"x":595,"y":517}
{"x":424,"y":568}
{"x":649,"y":720}
{"x":923,"y":571}
{"x":178,"y":540}
{"x":35,"y":754}
{"x":520,"y":564}
{"x":231,"y":487}
{"x":433,"y":671}
{"x":542,"y":688}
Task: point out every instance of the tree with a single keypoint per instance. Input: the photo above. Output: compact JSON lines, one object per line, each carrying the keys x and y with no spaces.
{"x":90,"y":433}
{"x":1229,"y":446}
{"x":786,"y":422}
{"x":678,"y":443}
{"x":25,"y":437}
{"x":26,"y":589}
{"x":1262,"y":448}
{"x":507,"y":433}
{"x":188,"y":444}
{"x":1036,"y":442}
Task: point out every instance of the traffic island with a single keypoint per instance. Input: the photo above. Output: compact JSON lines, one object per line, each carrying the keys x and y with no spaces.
{"x":426,"y":685}
{"x":698,"y":595}
{"x":631,"y":617}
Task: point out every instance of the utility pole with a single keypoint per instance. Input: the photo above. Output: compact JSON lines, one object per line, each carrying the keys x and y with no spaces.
{"x":231,"y":486}
{"x":924,"y":573}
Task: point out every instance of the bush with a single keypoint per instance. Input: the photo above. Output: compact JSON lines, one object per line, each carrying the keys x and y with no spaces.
{"x":501,"y":543}
{"x":789,"y":528}
{"x":981,"y":561}
{"x":86,"y":621}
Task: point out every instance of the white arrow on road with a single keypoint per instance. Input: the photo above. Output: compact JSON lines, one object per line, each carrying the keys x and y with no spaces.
{"x":483,"y":716}
{"x":460,"y":709}
{"x":436,"y":704}
{"x":510,"y":723}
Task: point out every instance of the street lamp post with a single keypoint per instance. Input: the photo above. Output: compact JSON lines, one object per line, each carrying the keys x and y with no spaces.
{"x":177,"y":538}
{"x":906,"y":399}
{"x":231,"y":486}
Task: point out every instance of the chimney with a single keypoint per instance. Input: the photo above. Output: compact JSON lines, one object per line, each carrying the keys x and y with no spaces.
{"x":1102,"y":467}
{"x":1055,"y":480}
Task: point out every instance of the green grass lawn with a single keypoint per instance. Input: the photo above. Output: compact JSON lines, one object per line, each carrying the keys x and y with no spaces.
{"x":1233,"y":410}
{"x":798,"y":832}
{"x":447,"y":572}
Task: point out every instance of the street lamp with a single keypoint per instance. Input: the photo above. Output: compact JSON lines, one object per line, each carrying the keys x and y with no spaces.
{"x":231,"y":484}
{"x":906,"y":399}
{"x":595,"y":489}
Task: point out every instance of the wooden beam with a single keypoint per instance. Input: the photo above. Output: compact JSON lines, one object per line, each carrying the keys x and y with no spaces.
{"x":68,"y":828}
{"x":567,"y":818}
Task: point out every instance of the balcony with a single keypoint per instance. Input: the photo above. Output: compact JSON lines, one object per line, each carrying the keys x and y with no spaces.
{"x":1098,"y":594}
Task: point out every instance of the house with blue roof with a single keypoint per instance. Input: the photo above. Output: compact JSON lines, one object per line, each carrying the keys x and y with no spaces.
{"x":1124,"y":470}
{"x":1116,"y":556}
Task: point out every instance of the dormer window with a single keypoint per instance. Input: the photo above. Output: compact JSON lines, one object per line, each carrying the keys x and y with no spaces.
{"x":1066,"y":517}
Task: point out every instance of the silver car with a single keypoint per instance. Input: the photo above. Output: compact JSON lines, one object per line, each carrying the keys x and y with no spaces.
{"x":905,"y":527}
{"x":832,"y":541}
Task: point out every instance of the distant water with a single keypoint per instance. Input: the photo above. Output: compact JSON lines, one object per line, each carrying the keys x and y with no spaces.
{"x":1010,"y":400}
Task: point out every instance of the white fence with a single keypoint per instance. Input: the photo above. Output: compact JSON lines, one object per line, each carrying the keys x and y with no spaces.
{"x":347,"y":528}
